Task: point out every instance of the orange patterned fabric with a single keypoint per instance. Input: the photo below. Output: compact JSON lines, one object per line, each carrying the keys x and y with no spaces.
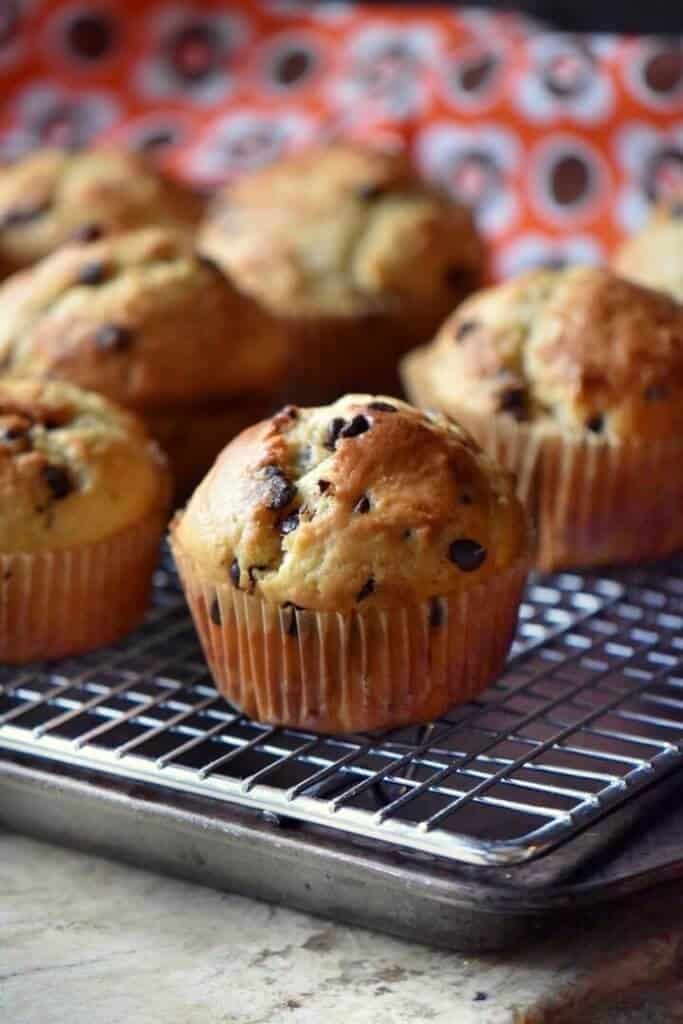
{"x":559,"y":142}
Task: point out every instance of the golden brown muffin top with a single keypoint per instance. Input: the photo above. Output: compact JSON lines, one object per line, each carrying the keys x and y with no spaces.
{"x":654,"y":256}
{"x":74,"y":468}
{"x":580,"y":348}
{"x":343,"y":231}
{"x":140,"y":318}
{"x":53,"y":196}
{"x":366,"y":501}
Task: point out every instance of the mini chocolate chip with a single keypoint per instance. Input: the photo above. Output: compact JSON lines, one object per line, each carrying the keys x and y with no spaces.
{"x":333,"y":432}
{"x":435,"y":613}
{"x":282,"y":490}
{"x":371,"y":190}
{"x":655,"y":392}
{"x":289,"y":524}
{"x":367,"y":589}
{"x":362,"y":505}
{"x":58,"y":480}
{"x":21,"y":215}
{"x":92,"y":273}
{"x":215,"y":612}
{"x":468,"y":555}
{"x":291,"y":627}
{"x":235,"y":573}
{"x":513,"y":401}
{"x":596,"y":423}
{"x":465,"y":328}
{"x":113,"y":337}
{"x":323,"y":486}
{"x":358,"y":425}
{"x":87,"y":233}
{"x":382,"y":407}
{"x":407,"y":534}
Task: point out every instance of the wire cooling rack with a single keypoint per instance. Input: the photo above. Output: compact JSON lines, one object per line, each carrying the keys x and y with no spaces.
{"x":588,"y":712}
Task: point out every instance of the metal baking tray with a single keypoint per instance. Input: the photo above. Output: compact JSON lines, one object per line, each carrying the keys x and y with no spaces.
{"x":130,"y":751}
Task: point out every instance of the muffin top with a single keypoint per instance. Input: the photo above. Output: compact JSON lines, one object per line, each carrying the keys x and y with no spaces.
{"x":654,"y":256}
{"x":140,"y":318}
{"x":367,"y":501}
{"x":343,"y":231}
{"x":74,"y":469}
{"x":53,"y":196}
{"x":581,"y":349}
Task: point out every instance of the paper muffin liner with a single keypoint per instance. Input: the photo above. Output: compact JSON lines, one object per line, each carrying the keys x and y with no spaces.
{"x":593,"y":500}
{"x":65,"y":602}
{"x":348,"y":672}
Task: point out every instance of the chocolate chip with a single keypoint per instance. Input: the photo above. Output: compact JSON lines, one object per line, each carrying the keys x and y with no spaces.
{"x":235,"y":573}
{"x":513,"y":401}
{"x":362,"y":505}
{"x":282,"y":490}
{"x":289,"y":524}
{"x":382,"y":407}
{"x":465,"y":328}
{"x":323,"y":486}
{"x":596,"y":423}
{"x":435,"y":613}
{"x":367,"y":589}
{"x":22,"y":215}
{"x":468,"y":555}
{"x":87,"y":233}
{"x":358,"y":425}
{"x":58,"y":480}
{"x":333,"y":432}
{"x":654,"y":392}
{"x":92,"y":273}
{"x":407,"y":534}
{"x":215,"y":612}
{"x":371,"y":190}
{"x":113,"y":337}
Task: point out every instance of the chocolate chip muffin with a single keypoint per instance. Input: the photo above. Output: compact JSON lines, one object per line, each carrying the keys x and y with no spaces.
{"x":83,"y":500}
{"x":354,"y":566}
{"x":142,"y":319}
{"x":573,"y":379}
{"x":53,"y":196}
{"x":353,"y":252}
{"x":654,"y":256}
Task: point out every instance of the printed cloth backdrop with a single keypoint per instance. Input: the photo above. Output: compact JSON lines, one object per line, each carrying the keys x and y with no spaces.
{"x":559,"y":142}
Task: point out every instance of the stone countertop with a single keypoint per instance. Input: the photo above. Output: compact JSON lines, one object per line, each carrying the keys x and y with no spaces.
{"x":86,"y":941}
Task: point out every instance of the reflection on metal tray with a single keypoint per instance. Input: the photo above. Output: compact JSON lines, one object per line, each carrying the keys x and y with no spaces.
{"x":588,"y":712}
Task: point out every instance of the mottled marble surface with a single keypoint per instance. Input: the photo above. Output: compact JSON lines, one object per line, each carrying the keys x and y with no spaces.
{"x":85,"y":941}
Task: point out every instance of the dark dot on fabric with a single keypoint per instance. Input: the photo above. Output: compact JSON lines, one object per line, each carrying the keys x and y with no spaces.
{"x":58,"y":480}
{"x":358,"y":425}
{"x":194,"y":52}
{"x":235,"y":573}
{"x":92,"y":274}
{"x":476,"y":73}
{"x":569,"y":179}
{"x":289,"y":524}
{"x":215,"y":612}
{"x":333,"y":432}
{"x":596,"y":423}
{"x":663,"y":72}
{"x":513,"y":401}
{"x":362,"y":505}
{"x":382,"y":407}
{"x":467,"y":554}
{"x":371,"y":190}
{"x":367,"y":589}
{"x":436,"y":613}
{"x":90,"y":35}
{"x":113,"y":337}
{"x":281,"y":489}
{"x":87,"y":233}
{"x":655,"y":392}
{"x":21,"y":216}
{"x":465,"y":328}
{"x":323,"y":486}
{"x":292,"y":66}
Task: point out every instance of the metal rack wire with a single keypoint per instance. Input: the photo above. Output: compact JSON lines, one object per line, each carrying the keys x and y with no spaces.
{"x":588,"y":711}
